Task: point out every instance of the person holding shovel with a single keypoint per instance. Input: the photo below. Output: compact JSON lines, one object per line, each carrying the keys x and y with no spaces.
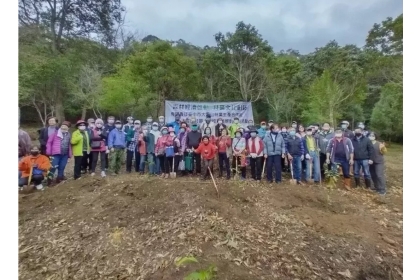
{"x":377,"y":168}
{"x":311,"y":146}
{"x":34,"y":168}
{"x":208,"y":152}
{"x":296,"y":154}
{"x":274,"y":151}
{"x":340,"y":151}
{"x":239,"y":150}
{"x":255,"y":147}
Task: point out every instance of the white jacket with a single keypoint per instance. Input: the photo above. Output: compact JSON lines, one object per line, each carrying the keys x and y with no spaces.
{"x":212,"y":126}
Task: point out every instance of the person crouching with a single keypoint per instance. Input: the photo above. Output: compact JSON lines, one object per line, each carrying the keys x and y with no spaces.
{"x":34,"y":168}
{"x":208,"y":152}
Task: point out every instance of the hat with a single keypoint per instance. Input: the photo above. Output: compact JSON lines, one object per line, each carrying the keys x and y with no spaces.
{"x":208,"y":115}
{"x":271,"y":121}
{"x":66,"y":123}
{"x":236,"y":118}
{"x":161,"y":117}
{"x":129,"y":118}
{"x":163,"y":128}
{"x":155,"y":124}
{"x":117,"y":122}
{"x":99,"y":121}
{"x":294,"y":122}
{"x":80,"y":122}
{"x":253,"y":129}
{"x":91,"y":120}
{"x":308,"y":128}
{"x":345,"y":122}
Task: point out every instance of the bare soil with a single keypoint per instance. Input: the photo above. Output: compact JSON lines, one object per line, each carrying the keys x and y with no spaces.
{"x":134,"y":227}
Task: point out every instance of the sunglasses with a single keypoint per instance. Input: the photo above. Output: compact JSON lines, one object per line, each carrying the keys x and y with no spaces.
{"x":136,"y":123}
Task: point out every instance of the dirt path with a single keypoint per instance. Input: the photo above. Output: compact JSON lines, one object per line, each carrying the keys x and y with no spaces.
{"x":134,"y":227}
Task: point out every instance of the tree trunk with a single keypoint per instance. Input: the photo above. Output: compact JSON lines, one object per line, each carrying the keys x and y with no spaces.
{"x":84,"y":113}
{"x":331,"y":117}
{"x":59,"y":107}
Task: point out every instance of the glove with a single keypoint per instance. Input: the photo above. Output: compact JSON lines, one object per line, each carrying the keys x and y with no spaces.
{"x":265,"y":156}
{"x":302,"y":157}
{"x":253,"y":155}
{"x":308,"y":156}
{"x":112,"y":150}
{"x":327,"y":161}
{"x":107,"y":151}
{"x":370,"y":162}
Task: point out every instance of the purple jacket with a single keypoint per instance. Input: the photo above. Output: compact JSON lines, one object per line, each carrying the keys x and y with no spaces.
{"x":54,"y":144}
{"x":182,"y":136}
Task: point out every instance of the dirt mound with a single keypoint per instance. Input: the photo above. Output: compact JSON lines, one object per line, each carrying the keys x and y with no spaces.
{"x":135,"y":227}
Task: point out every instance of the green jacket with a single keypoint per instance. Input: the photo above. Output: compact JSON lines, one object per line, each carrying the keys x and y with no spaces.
{"x":233,"y":128}
{"x":77,"y":142}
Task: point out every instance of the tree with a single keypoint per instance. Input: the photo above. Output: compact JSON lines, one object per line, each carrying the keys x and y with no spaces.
{"x":246,"y":54}
{"x":387,"y":37}
{"x":67,"y":19}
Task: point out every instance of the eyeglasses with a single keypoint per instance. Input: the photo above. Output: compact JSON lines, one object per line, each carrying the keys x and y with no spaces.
{"x":137,"y":123}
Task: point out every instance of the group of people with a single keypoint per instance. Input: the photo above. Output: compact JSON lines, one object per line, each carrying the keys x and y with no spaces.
{"x":187,"y":148}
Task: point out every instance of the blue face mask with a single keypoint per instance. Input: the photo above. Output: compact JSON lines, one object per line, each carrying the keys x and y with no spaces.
{"x":194,"y":128}
{"x":292,"y":133}
{"x":181,"y":130}
{"x":164,"y":132}
{"x":238,"y":135}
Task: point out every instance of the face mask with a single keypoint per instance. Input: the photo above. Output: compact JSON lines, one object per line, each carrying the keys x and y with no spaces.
{"x":181,"y":130}
{"x":238,"y":135}
{"x":219,"y":122}
{"x":253,"y":134}
{"x":326,"y":128}
{"x":149,"y":120}
{"x":82,"y":127}
{"x":92,"y":125}
{"x":118,"y":126}
{"x":171,"y":133}
{"x":284,"y":130}
{"x":130,"y":121}
{"x":34,"y":153}
{"x":111,"y":121}
{"x":292,"y":133}
{"x":154,"y":128}
{"x":338,"y":135}
{"x":136,"y":125}
{"x":194,"y":128}
{"x":309,"y":133}
{"x":270,"y":124}
{"x":293,"y":125}
{"x":207,"y":132}
{"x":250,"y":124}
{"x":208,"y":120}
{"x":161,"y":120}
{"x":362,"y":126}
{"x":164,"y":132}
{"x":358,"y":134}
{"x":236,"y":121}
{"x":344,"y":126}
{"x":263,"y":126}
{"x":372,"y":138}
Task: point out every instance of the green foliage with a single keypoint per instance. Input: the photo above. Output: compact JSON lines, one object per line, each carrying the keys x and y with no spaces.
{"x":331,"y":177}
{"x":203,"y":274}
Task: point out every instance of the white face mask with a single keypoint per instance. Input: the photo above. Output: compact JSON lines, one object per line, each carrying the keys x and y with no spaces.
{"x":372,"y":138}
{"x":236,"y":121}
{"x":270,"y":124}
{"x":82,"y":127}
{"x":149,"y":120}
{"x":171,"y":133}
{"x":118,"y":126}
{"x":293,"y":125}
{"x":309,"y":133}
{"x":284,"y":130}
{"x":161,"y":120}
{"x":219,"y":122}
{"x":338,"y":135}
{"x":155,"y":128}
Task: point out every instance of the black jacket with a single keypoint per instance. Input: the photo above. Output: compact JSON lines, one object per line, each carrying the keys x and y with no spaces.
{"x":363,"y":149}
{"x":193,"y":139}
{"x":219,"y":128}
{"x":43,"y":136}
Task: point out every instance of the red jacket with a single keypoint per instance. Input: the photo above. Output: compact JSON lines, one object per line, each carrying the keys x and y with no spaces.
{"x":255,"y":146}
{"x":207,"y":151}
{"x":223,"y":142}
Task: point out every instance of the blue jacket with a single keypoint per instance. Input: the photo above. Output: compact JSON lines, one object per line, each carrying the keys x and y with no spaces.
{"x":116,"y":139}
{"x":274,"y":148}
{"x":150,"y":140}
{"x":175,"y":125}
{"x":262,"y":132}
{"x":294,"y":146}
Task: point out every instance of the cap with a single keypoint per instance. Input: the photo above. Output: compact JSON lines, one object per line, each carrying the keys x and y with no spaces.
{"x":294,"y":122}
{"x":117,"y":122}
{"x":137,"y":122}
{"x":91,"y":120}
{"x":129,"y":118}
{"x":80,"y":122}
{"x":345,"y":122}
{"x":155,"y":124}
{"x":208,"y":115}
{"x":271,"y":121}
{"x":66,"y":123}
{"x":253,"y":129}
{"x":163,"y":128}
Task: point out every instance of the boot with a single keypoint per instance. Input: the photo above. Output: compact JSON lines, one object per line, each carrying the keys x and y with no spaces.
{"x":220,"y":174}
{"x":368,"y":183}
{"x":357,"y":180}
{"x":347,"y":184}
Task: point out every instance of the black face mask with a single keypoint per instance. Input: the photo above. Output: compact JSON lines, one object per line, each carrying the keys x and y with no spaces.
{"x":358,"y":134}
{"x":34,"y":153}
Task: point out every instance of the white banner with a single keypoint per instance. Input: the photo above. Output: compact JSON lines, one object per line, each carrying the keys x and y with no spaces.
{"x":225,"y":110}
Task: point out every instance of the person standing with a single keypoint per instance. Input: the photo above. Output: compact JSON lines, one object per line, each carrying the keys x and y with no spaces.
{"x":311,"y":146}
{"x":193,"y":141}
{"x":346,"y":131}
{"x":325,"y":135}
{"x":255,"y":147}
{"x":274,"y":151}
{"x":285,"y":134}
{"x":46,"y":132}
{"x":234,"y":127}
{"x":239,"y":151}
{"x":80,"y":143}
{"x":219,"y":127}
{"x":161,"y":122}
{"x":176,"y":124}
{"x":109,"y":126}
{"x":340,"y":151}
{"x":141,"y":153}
{"x":132,"y":138}
{"x":363,"y":157}
{"x":377,"y":168}
{"x":223,"y":143}
{"x":116,"y":146}
{"x":99,"y":147}
{"x":296,"y":154}
{"x":208,"y":152}
{"x":152,"y":158}
{"x":208,"y":123}
{"x":59,"y":148}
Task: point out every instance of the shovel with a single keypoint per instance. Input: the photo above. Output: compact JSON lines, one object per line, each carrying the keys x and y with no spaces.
{"x":311,"y":181}
{"x":214,"y":182}
{"x":173,"y":173}
{"x":262,"y":173}
{"x":28,"y":188}
{"x":293,"y":180}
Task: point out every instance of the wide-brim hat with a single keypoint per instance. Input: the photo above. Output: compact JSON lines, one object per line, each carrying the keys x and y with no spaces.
{"x":81,"y":122}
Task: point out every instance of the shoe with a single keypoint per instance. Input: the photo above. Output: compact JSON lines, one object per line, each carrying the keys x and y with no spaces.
{"x":299,"y":183}
{"x":166,"y":176}
{"x":220,"y":175}
{"x":368,"y":184}
{"x":92,"y":174}
{"x":347,"y":184}
{"x":49,"y":181}
{"x":103,"y":174}
{"x":162,"y":175}
{"x":382,"y":193}
{"x":40,"y":187}
{"x":357,"y":181}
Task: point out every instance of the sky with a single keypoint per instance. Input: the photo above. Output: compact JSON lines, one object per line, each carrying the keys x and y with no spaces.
{"x":286,"y":24}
